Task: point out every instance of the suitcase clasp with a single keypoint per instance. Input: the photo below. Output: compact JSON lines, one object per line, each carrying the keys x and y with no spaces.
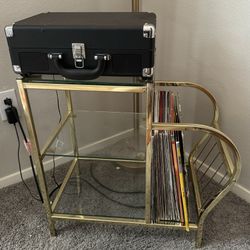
{"x":78,"y":51}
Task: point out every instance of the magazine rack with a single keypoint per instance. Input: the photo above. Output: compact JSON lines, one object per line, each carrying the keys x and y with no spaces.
{"x":204,"y":175}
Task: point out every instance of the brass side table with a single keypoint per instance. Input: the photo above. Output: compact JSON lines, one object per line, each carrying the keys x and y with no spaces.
{"x":204,"y":200}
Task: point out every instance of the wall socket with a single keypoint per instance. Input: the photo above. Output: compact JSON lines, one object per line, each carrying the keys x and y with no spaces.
{"x":10,"y":93}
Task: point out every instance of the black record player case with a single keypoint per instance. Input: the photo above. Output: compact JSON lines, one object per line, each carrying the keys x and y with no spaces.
{"x":84,"y":45}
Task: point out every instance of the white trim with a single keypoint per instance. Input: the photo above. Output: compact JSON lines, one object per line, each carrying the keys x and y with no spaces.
{"x":237,"y":189}
{"x":92,"y":147}
{"x":242,"y":192}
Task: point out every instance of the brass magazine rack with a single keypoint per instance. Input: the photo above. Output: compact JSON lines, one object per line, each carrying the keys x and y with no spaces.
{"x":213,"y":145}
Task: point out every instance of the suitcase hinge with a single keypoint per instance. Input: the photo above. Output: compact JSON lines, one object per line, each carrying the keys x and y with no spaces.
{"x":147,"y":72}
{"x":9,"y":31}
{"x":148,"y":30}
{"x":78,"y":51}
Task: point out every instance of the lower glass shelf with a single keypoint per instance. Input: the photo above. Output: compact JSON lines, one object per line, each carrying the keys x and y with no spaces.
{"x":106,"y":189}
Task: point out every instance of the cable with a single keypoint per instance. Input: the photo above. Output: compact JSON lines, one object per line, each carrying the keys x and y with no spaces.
{"x":58,"y":106}
{"x":100,"y":192}
{"x":54,"y":171}
{"x":19,"y":164}
{"x":13,"y":118}
{"x":53,"y":191}
{"x":108,"y":198}
{"x":31,"y":161}
{"x":110,"y":189}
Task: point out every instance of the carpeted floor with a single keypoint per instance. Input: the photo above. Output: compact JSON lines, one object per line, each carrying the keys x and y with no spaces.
{"x":24,"y":225}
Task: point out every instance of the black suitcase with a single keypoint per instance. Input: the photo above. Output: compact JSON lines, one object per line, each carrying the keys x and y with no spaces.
{"x":84,"y":46}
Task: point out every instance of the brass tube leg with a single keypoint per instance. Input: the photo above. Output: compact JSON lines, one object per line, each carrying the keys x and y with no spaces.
{"x":199,"y":235}
{"x":73,"y":138}
{"x":36,"y":154}
{"x":148,"y":152}
{"x":135,"y":5}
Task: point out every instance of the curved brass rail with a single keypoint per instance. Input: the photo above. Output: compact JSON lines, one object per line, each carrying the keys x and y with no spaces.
{"x":208,"y":130}
{"x":196,"y":86}
{"x":233,"y":177}
{"x":233,"y":165}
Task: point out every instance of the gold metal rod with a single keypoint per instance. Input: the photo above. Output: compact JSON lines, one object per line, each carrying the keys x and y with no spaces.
{"x":115,"y":220}
{"x":77,"y":87}
{"x":203,"y":148}
{"x":136,"y":97}
{"x":109,"y":159}
{"x":193,"y":169}
{"x":197,"y":192}
{"x":212,"y":177}
{"x":72,"y":123}
{"x":226,"y":155}
{"x":36,"y":153}
{"x":149,"y":119}
{"x":73,"y":136}
{"x":209,"y":166}
{"x":54,"y":134}
{"x":63,"y":185}
{"x":135,"y":5}
{"x":205,"y":158}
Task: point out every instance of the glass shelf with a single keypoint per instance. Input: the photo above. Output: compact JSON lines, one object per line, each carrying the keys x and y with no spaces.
{"x":107,"y":189}
{"x":101,"y":134}
{"x":104,"y":80}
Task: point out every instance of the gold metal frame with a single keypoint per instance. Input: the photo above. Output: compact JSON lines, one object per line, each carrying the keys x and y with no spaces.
{"x":232,"y":159}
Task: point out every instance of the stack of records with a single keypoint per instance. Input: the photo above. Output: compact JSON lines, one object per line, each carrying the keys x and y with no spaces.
{"x":169,"y":176}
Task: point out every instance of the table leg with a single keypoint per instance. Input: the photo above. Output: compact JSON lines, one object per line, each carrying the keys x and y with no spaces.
{"x":149,"y":113}
{"x":73,"y":138}
{"x":36,"y":154}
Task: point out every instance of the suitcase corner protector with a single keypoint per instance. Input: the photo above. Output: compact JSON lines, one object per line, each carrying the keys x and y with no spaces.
{"x":149,"y":30}
{"x":17,"y":69}
{"x":9,"y":31}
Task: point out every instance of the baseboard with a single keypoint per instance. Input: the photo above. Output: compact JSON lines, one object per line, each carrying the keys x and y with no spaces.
{"x":237,"y":189}
{"x":48,"y":165}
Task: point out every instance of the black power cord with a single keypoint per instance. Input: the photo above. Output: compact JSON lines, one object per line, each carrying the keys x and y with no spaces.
{"x":19,"y":164}
{"x":107,"y":197}
{"x":110,"y":189}
{"x":13,"y":118}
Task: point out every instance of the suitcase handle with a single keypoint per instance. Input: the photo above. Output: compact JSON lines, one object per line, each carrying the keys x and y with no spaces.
{"x":80,"y":74}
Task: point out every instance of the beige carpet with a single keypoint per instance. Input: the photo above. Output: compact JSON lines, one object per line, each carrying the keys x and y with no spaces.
{"x":24,"y":225}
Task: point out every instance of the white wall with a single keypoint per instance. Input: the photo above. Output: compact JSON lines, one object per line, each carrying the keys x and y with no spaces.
{"x":209,"y":42}
{"x":201,"y":41}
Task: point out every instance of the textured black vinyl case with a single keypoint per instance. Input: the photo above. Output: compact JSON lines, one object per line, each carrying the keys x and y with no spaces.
{"x":84,"y":45}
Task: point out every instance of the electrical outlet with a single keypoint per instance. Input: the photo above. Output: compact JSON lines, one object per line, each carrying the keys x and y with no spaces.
{"x":10,"y":93}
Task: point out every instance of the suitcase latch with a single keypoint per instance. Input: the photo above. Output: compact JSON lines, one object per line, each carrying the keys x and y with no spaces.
{"x":78,"y":51}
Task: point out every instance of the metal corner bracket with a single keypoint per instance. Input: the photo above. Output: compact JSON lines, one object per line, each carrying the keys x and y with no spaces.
{"x":148,"y":30}
{"x":148,"y":72}
{"x":17,"y":69}
{"x":9,"y":31}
